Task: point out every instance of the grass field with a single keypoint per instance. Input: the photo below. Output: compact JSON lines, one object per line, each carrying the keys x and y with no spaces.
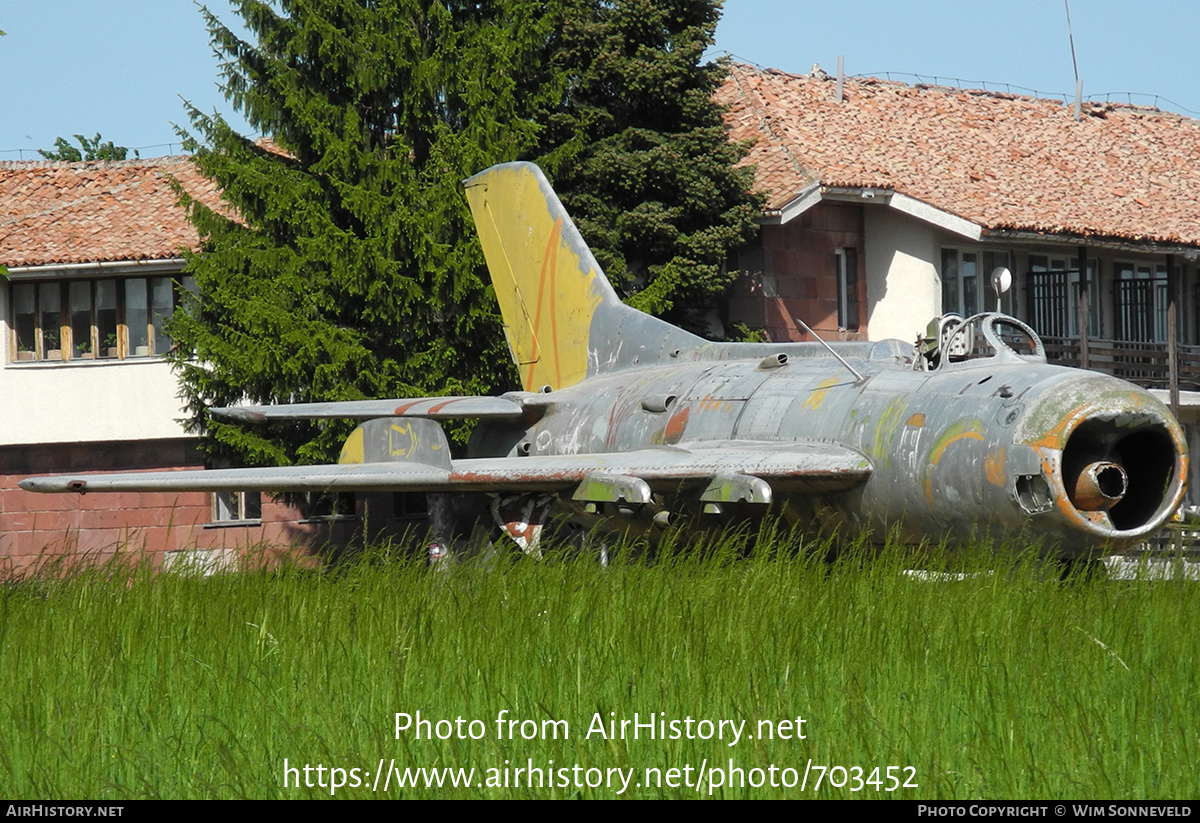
{"x":1007,"y":683}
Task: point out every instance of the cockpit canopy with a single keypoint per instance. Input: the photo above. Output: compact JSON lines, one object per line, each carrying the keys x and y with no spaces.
{"x":950,"y":341}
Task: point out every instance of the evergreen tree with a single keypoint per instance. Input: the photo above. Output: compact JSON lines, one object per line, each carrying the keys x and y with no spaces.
{"x":640,"y":156}
{"x":348,"y":267}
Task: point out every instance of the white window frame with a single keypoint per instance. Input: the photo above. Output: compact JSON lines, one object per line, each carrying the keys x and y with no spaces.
{"x":1050,"y":263}
{"x":235,"y":508}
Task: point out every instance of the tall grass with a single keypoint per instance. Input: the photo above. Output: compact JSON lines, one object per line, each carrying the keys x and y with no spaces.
{"x":997,"y":681}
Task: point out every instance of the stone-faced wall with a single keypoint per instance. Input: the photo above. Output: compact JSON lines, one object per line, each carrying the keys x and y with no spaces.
{"x":792,"y":272}
{"x":36,"y":529}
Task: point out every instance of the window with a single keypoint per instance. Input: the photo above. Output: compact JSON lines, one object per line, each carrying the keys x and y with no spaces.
{"x":111,"y":319}
{"x":1140,"y":302}
{"x":328,"y":506}
{"x":410,"y":505}
{"x":967,"y":282}
{"x":1054,"y":290}
{"x":846,"y":266}
{"x":236,"y":507}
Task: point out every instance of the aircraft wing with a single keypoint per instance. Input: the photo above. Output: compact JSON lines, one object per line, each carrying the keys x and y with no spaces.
{"x":815,"y":468}
{"x":433,"y":408}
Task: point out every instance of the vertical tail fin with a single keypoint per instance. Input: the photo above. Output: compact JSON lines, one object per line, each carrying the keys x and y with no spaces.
{"x":561,"y":316}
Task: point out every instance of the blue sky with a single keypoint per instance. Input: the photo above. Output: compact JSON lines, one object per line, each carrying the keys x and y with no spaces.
{"x":123,"y":68}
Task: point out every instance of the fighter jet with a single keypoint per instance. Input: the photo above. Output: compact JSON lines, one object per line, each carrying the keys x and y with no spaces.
{"x":629,"y":422}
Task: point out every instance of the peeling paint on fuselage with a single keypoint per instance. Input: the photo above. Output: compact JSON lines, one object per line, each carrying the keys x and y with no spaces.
{"x":939,"y":442}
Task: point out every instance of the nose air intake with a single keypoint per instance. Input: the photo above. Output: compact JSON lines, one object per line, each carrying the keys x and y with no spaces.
{"x":1126,"y":465}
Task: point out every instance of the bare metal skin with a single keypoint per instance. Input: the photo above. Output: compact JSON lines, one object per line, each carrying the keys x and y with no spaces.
{"x":628,"y":422}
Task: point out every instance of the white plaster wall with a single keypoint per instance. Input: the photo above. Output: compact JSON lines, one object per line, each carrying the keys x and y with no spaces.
{"x":66,"y":403}
{"x":904,"y":290}
{"x":84,"y":401}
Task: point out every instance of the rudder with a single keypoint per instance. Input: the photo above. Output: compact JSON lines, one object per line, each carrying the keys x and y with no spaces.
{"x":547,"y":282}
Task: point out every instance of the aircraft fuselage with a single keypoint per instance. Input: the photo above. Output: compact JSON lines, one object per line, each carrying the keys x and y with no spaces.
{"x":972,"y":448}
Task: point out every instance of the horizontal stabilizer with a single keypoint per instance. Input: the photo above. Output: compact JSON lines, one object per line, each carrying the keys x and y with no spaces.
{"x":813,"y":468}
{"x":435,"y":408}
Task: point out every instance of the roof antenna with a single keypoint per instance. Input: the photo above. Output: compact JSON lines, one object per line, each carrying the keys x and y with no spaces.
{"x":841,"y":359}
{"x":1074,"y":65}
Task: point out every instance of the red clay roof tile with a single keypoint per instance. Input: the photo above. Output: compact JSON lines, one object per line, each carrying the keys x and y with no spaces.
{"x":999,"y":160}
{"x":52,"y":212}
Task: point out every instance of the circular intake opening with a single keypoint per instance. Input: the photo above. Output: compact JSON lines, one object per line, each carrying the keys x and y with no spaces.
{"x":1124,"y":466}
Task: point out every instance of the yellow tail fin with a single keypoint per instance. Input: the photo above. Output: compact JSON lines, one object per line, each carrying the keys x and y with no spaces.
{"x":546,"y":279}
{"x":562,"y":318}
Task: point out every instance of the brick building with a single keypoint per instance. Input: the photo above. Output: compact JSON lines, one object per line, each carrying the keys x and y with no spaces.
{"x":93,"y":252}
{"x":887,"y":205}
{"x":890,"y":204}
{"x":893,"y":204}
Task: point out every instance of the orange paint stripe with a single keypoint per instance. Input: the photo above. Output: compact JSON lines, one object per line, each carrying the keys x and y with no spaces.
{"x":554,"y":303}
{"x":1056,"y":437}
{"x":968,"y":435}
{"x":548,"y":259}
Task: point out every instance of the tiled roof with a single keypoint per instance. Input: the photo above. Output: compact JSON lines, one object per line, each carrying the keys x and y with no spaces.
{"x":1001,"y":161}
{"x":52,"y":212}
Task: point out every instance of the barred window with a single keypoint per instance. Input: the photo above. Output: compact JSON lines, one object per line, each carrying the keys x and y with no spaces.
{"x":1054,"y":291}
{"x":1140,"y":301}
